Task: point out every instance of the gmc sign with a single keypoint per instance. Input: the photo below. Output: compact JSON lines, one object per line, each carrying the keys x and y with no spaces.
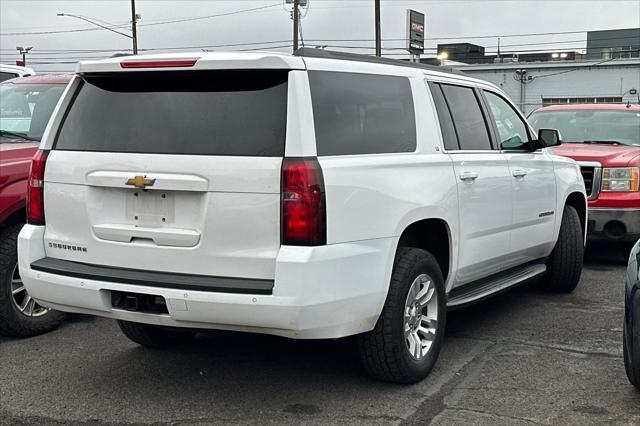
{"x":415,"y":32}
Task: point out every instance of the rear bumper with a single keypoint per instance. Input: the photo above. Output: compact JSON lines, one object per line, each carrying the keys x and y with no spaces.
{"x":614,"y":224}
{"x":319,"y":292}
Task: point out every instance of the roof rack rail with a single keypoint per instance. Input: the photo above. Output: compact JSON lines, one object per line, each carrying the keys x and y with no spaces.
{"x":309,"y":52}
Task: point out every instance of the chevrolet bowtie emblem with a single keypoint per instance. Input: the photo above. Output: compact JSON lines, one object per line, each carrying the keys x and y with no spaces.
{"x":140,"y":182}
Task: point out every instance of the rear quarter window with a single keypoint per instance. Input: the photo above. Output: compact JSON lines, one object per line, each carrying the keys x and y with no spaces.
{"x":239,"y":113}
{"x":362,"y":113}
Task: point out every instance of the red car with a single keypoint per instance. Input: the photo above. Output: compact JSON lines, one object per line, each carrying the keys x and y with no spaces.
{"x":605,"y":140}
{"x":26,"y":104}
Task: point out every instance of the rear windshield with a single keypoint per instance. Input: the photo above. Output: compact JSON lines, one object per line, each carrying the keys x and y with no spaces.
{"x":241,"y":113}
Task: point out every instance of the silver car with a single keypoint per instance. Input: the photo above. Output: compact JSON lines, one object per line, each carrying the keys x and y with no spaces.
{"x":632,"y":317}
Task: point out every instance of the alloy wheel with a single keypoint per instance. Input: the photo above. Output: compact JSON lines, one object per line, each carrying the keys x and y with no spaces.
{"x":420,"y":316}
{"x":22,"y":300}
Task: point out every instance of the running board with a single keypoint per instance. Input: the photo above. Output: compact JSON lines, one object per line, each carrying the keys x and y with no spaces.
{"x":487,"y":287}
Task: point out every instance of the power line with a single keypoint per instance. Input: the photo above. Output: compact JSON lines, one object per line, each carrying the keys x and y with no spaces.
{"x":269,"y":45}
{"x":575,"y":69}
{"x":211,"y":16}
{"x":67,"y":51}
{"x":64,"y":51}
{"x":387,"y":52}
{"x":172,"y":21}
{"x":79,"y":30}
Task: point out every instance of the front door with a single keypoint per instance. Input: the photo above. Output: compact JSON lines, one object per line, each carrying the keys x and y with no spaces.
{"x":533,"y":182}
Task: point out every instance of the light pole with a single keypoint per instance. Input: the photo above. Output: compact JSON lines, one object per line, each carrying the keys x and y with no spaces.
{"x":134,"y":38}
{"x":632,"y":91}
{"x":523,"y":78}
{"x":23,"y":51}
{"x":378,"y":31}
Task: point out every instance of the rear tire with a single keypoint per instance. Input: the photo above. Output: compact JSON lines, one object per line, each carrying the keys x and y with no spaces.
{"x":406,"y":341}
{"x":154,"y":336}
{"x":564,"y":266}
{"x":20,"y":315}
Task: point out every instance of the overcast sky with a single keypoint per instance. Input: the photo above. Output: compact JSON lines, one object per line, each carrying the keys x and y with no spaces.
{"x":325,"y":20}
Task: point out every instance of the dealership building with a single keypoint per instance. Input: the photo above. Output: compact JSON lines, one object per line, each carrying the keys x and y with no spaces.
{"x":609,"y":71}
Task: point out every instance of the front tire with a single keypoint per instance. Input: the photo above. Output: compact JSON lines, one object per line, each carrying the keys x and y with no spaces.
{"x":564,"y":266}
{"x":626,"y":249}
{"x":406,"y":341}
{"x":20,"y":315}
{"x":154,"y":336}
{"x":631,"y":349}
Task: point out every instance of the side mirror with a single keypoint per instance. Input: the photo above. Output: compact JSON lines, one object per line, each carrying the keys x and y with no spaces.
{"x":548,"y":138}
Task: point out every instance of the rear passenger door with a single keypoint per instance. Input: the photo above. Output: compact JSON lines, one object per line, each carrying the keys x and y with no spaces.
{"x":533,"y":181}
{"x":483,"y":180}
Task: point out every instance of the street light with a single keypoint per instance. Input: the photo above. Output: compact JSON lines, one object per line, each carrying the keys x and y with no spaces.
{"x":91,"y":21}
{"x":632,"y":91}
{"x":442,"y":57}
{"x":23,"y":51}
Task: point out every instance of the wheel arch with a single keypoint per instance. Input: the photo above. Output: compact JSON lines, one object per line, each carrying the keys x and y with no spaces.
{"x":18,"y":215}
{"x":433,"y":235}
{"x":578,"y":201}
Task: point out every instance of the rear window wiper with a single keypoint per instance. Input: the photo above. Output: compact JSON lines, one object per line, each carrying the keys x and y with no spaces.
{"x":18,"y":135}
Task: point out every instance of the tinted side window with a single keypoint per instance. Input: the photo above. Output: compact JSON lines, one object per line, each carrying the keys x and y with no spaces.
{"x":512,"y":131}
{"x":467,"y":117}
{"x":362,"y":113}
{"x":444,"y":117}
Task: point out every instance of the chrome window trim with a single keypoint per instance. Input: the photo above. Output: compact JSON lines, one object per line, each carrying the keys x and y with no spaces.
{"x":470,"y":151}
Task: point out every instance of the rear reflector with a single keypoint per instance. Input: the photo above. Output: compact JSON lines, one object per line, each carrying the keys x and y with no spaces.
{"x":304,"y":212}
{"x":35,"y":189}
{"x":167,"y":63}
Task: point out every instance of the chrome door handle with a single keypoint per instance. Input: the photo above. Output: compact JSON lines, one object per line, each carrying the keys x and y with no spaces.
{"x":468,"y":176}
{"x":519,"y":173}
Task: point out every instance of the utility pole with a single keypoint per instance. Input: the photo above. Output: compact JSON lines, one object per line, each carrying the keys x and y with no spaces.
{"x":521,"y":76}
{"x":378,"y":36}
{"x":134,"y":30}
{"x":296,"y":23}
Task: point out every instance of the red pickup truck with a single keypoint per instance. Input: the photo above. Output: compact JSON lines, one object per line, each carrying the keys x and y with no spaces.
{"x":605,"y":140}
{"x":26,"y":104}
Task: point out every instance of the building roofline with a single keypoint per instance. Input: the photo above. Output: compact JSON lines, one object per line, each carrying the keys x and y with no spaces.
{"x":551,"y":64}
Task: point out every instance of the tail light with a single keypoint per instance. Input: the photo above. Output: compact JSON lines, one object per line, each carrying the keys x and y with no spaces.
{"x":304,"y":212}
{"x":35,"y":189}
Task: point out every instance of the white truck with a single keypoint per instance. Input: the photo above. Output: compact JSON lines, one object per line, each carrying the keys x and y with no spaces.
{"x":316,"y":195}
{"x":8,"y":72}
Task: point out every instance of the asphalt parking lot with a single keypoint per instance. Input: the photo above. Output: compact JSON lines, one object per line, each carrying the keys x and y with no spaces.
{"x":524,"y":357}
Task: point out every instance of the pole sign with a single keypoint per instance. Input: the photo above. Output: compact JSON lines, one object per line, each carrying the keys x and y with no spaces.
{"x":415,"y":32}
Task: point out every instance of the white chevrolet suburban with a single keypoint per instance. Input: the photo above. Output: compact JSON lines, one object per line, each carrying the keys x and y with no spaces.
{"x":316,"y":195}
